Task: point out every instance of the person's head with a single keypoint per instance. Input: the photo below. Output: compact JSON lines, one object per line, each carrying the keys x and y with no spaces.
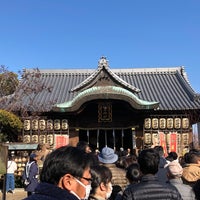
{"x":160,"y":150}
{"x":10,"y":157}
{"x":97,"y":151}
{"x":107,"y":156}
{"x":194,"y":156}
{"x":84,"y":146}
{"x":101,"y":184}
{"x":43,"y":147}
{"x":69,"y":168}
{"x":121,"y":149}
{"x":33,"y":157}
{"x":133,"y":173}
{"x":186,"y":158}
{"x":172,"y":156}
{"x":148,"y":160}
{"x":129,"y":160}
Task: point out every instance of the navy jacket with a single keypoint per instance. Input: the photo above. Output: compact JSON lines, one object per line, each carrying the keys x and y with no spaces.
{"x":46,"y":191}
{"x":32,"y":177}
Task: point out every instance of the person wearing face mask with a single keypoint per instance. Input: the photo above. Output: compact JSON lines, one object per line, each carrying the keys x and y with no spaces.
{"x":65,"y":175}
{"x":101,"y":184}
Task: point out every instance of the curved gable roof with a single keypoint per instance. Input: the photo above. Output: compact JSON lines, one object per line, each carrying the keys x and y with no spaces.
{"x":103,"y":65}
{"x":108,"y":92}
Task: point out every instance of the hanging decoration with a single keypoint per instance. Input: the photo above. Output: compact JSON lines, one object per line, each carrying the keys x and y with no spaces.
{"x":42,"y":139}
{"x":50,"y":139}
{"x":155,"y":139}
{"x":162,"y":123}
{"x":26,"y":139}
{"x":155,"y":123}
{"x":56,"y":124}
{"x":97,"y":138}
{"x":64,"y":124}
{"x":35,"y":124}
{"x":147,"y":138}
{"x":34,"y":138}
{"x":50,"y":124}
{"x":169,"y":123}
{"x":163,"y":142}
{"x":60,"y":140}
{"x":27,"y":125}
{"x":172,"y":141}
{"x":185,"y":123}
{"x":113,"y":139}
{"x":42,"y":124}
{"x":177,"y":123}
{"x":147,"y":123}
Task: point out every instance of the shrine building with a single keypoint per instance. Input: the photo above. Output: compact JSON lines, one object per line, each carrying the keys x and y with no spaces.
{"x":130,"y":108}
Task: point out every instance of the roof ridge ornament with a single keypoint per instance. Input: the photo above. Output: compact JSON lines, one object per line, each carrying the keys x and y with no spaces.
{"x":103,"y":62}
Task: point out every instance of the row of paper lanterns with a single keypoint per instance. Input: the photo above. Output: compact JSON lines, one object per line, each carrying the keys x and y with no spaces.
{"x":39,"y":139}
{"x":43,"y":124}
{"x":168,"y":123}
{"x":148,"y":138}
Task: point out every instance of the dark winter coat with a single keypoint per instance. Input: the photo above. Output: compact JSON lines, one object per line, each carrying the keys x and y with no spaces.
{"x":46,"y":191}
{"x":32,"y":177}
{"x":150,"y":188}
{"x":162,"y":170}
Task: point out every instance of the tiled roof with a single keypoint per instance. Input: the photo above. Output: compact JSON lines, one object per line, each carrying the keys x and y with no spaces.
{"x":168,"y":86}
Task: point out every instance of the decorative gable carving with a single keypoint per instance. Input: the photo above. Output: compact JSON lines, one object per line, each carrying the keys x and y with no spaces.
{"x":103,"y":76}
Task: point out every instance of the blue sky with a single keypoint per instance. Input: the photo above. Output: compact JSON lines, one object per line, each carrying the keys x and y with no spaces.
{"x":76,"y":33}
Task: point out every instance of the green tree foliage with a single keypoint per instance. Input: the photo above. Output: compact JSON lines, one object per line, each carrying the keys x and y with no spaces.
{"x":10,"y":126}
{"x":8,"y":81}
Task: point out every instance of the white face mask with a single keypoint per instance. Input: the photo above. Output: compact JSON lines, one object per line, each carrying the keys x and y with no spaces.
{"x":87,"y":189}
{"x":108,"y":194}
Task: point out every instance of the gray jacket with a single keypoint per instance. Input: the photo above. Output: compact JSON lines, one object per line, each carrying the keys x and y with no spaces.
{"x":185,"y":190}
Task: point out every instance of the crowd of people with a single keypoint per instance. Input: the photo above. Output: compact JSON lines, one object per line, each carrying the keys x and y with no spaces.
{"x":76,"y":173}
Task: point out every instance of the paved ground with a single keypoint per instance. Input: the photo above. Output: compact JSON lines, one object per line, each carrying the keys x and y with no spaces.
{"x":18,"y":195}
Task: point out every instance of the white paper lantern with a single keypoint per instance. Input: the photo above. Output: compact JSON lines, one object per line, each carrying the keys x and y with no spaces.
{"x":57,"y":124}
{"x":177,"y":123}
{"x":162,"y":123}
{"x":49,"y":124}
{"x":35,"y":124}
{"x":170,"y":123}
{"x":147,"y":123}
{"x":26,"y":139}
{"x":34,"y":138}
{"x":185,"y":123}
{"x":64,"y":124}
{"x":155,"y":123}
{"x":27,"y":125}
{"x":147,"y":138}
{"x":42,"y":124}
